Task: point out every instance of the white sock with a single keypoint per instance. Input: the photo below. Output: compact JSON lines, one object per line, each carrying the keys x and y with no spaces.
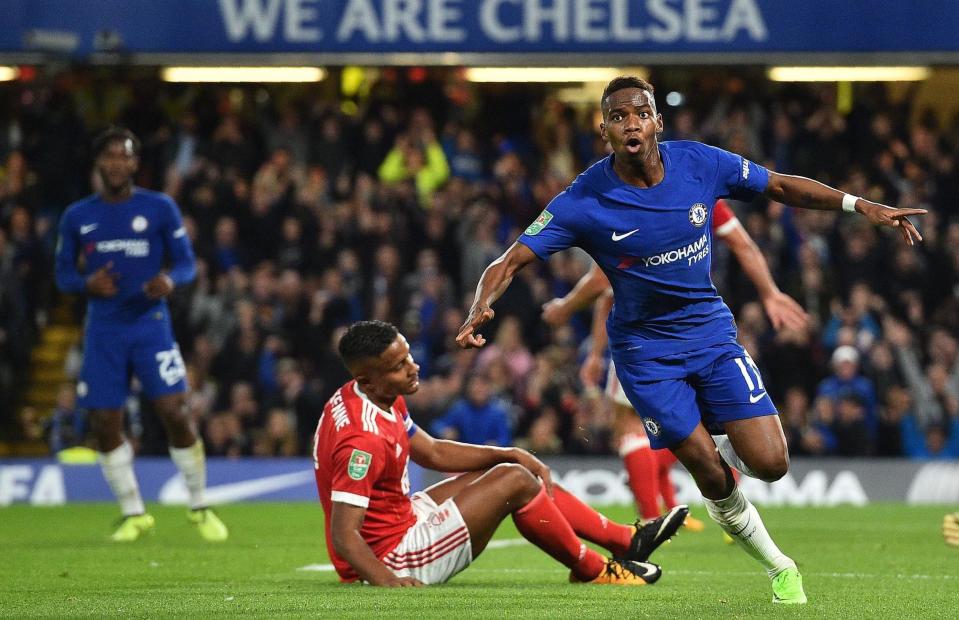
{"x":191,"y":461}
{"x":725,"y":449}
{"x":117,"y":466}
{"x":740,"y":519}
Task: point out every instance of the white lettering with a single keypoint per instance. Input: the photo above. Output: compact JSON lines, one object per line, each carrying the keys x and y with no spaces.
{"x":298,"y":13}
{"x":745,"y":15}
{"x":585,"y":27}
{"x":49,"y":489}
{"x":493,"y":27}
{"x":620,"y":23}
{"x":672,"y":27}
{"x":536,"y":15}
{"x":170,"y":365}
{"x":602,"y":486}
{"x":14,"y":483}
{"x":400,"y":15}
{"x":252,"y":15}
{"x":814,"y":490}
{"x":130,"y":247}
{"x":697,"y":15}
{"x":359,"y":16}
{"x":846,"y":489}
{"x":698,"y":247}
{"x":441,"y":21}
{"x":338,"y":409}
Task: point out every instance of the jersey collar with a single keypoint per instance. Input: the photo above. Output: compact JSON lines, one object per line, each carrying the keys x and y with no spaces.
{"x":389,"y":415}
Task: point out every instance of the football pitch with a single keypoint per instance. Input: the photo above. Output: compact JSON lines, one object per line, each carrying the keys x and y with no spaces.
{"x":873,"y":562}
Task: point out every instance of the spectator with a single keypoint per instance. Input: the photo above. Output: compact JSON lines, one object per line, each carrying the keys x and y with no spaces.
{"x":934,"y":441}
{"x":67,"y":425}
{"x":477,"y":418}
{"x":416,"y":157}
{"x":847,"y":381}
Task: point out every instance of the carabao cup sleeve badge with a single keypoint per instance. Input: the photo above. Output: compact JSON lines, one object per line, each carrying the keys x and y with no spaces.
{"x":359,"y":464}
{"x":539,"y":223}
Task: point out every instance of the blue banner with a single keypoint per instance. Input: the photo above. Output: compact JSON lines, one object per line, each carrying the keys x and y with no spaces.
{"x":480,"y":26}
{"x":48,"y":483}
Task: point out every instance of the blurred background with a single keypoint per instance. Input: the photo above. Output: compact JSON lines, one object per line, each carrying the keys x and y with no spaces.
{"x":342,"y":160}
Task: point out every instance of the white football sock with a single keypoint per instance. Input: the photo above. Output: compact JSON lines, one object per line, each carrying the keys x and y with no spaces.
{"x":725,"y":449}
{"x":117,"y":466}
{"x":740,"y":519}
{"x":191,"y":461}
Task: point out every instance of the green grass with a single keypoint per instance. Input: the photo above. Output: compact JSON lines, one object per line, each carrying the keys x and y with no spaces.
{"x":880,"y":561}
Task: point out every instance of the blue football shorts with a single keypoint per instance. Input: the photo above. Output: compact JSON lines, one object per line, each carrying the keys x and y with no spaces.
{"x":113,"y":354}
{"x":674,"y":393}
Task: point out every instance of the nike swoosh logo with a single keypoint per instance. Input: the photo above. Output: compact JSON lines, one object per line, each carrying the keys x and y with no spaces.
{"x":618,"y":237}
{"x":88,"y":228}
{"x":755,"y":399}
{"x":650,"y":569}
{"x":175,"y":492}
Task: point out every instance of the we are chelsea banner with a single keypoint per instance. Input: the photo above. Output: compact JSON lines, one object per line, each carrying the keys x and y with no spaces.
{"x":480,"y":26}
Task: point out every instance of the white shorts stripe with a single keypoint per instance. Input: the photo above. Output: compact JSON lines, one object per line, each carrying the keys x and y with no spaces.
{"x":435,"y":548}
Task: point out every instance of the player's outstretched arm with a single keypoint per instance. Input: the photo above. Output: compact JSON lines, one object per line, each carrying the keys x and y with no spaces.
{"x":783,"y":310}
{"x":345,"y":523}
{"x":808,"y":194}
{"x":558,"y":311}
{"x":493,"y":283}
{"x":454,"y":456}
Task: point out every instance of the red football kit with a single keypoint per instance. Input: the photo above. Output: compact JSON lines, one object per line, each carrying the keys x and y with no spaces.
{"x":360,"y":454}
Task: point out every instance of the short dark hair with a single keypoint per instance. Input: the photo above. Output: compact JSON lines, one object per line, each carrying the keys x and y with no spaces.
{"x":366,"y":339}
{"x":623,"y":82}
{"x":114,"y":134}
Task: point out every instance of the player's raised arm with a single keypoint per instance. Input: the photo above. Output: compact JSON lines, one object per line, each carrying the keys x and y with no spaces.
{"x":592,"y":369}
{"x":493,"y":283}
{"x":808,"y":194}
{"x":783,"y":310}
{"x":593,"y":283}
{"x":346,"y":520}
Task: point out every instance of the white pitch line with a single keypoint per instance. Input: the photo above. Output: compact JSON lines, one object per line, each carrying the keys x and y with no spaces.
{"x":508,"y":542}
{"x":319,"y":568}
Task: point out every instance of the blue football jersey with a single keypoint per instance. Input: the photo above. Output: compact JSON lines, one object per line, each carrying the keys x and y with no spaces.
{"x":654,"y":244}
{"x":141,"y":236}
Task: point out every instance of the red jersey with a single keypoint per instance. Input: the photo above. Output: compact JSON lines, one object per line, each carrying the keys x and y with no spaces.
{"x":360,"y":454}
{"x":724,"y":220}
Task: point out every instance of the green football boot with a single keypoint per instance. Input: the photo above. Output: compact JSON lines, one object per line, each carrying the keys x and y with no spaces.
{"x":787,"y":588}
{"x":133,"y":527}
{"x":209,"y":525}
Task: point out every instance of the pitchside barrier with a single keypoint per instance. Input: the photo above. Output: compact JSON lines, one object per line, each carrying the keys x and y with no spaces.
{"x":598,"y":480}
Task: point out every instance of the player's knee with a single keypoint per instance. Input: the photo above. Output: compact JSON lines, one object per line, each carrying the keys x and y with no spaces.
{"x":521,"y":482}
{"x":772,"y":469}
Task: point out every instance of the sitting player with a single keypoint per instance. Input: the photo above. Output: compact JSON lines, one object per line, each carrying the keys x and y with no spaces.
{"x":377,"y":534}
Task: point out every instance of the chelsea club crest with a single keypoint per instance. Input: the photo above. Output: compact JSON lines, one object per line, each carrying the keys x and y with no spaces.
{"x":697,"y":214}
{"x":652,"y":426}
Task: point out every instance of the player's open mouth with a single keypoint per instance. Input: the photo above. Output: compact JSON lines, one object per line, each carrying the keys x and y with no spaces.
{"x":633,"y":145}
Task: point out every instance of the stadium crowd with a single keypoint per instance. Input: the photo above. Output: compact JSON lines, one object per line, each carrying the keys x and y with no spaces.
{"x":309,"y":210}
